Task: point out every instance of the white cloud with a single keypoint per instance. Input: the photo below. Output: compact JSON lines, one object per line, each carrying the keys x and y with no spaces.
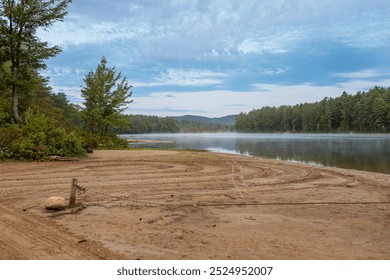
{"x":60,"y":71}
{"x":185,"y":77}
{"x":73,"y":93}
{"x":261,"y":46}
{"x":210,"y":103}
{"x":354,"y":86}
{"x":79,"y":30}
{"x":274,"y":70}
{"x":367,"y":73}
{"x":250,"y":46}
{"x":191,"y":77}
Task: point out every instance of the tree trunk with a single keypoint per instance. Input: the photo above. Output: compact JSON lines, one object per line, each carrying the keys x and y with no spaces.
{"x":15,"y":96}
{"x":15,"y":105}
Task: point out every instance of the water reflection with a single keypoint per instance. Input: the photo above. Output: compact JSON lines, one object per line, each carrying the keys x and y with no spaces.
{"x":354,"y":151}
{"x":361,"y":154}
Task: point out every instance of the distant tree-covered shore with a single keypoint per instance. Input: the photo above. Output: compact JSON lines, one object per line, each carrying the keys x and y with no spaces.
{"x":140,"y":124}
{"x":363,"y":112}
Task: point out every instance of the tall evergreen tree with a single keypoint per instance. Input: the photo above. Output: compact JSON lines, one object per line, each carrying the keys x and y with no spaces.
{"x":104,"y":103}
{"x":19,"y":45}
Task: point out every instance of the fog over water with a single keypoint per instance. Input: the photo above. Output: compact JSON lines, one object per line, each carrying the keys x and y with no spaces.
{"x":368,"y":152}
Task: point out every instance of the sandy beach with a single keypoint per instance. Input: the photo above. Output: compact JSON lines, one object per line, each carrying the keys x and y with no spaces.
{"x":157,"y":204}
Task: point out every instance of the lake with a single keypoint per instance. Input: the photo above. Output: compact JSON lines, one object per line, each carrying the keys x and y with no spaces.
{"x":368,"y":152}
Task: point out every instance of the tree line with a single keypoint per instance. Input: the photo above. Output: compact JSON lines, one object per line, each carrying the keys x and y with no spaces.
{"x":363,"y":112}
{"x":139,"y":124}
{"x":188,"y":126}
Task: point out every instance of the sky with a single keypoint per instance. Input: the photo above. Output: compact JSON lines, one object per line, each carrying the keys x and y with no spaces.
{"x":220,"y":57}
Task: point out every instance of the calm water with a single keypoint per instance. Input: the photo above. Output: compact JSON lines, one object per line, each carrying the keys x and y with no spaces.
{"x":369,"y":152}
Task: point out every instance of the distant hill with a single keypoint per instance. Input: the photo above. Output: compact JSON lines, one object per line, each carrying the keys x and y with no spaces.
{"x":227,"y":120}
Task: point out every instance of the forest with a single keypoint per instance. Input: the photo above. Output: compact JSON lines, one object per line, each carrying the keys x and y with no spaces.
{"x":363,"y":112}
{"x":139,"y":124}
{"x":188,"y":126}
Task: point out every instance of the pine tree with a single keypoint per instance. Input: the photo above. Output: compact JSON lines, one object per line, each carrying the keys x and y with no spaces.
{"x":104,"y":103}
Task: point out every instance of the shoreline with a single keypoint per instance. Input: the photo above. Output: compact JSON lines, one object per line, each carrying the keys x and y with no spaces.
{"x":146,"y":141}
{"x":185,"y":204}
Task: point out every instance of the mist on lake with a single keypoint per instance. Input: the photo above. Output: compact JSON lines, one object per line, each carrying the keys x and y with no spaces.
{"x":368,"y":152}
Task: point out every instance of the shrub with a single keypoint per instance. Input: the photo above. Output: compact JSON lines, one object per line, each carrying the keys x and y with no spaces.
{"x":100,"y":141}
{"x":9,"y":135}
{"x":38,"y":138}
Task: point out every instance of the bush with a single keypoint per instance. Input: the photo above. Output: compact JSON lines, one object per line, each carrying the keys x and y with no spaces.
{"x":100,"y":141}
{"x":38,"y":138}
{"x":9,"y":135}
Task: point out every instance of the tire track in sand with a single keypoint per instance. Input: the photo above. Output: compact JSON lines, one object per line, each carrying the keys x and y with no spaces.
{"x":25,"y":236}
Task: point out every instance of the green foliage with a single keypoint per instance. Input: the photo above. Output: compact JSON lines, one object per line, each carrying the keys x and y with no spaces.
{"x":5,"y":95}
{"x":5,"y":75}
{"x":191,"y":123}
{"x":188,"y":126}
{"x":19,"y":45}
{"x":71,"y":116}
{"x":106,"y":96}
{"x":104,"y":104}
{"x":96,"y":140}
{"x":362,"y":112}
{"x":50,"y":120}
{"x":137,"y":124}
{"x":5,"y":113}
{"x":9,"y":136}
{"x":38,"y":138}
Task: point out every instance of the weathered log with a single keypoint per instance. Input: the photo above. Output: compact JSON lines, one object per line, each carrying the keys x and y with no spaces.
{"x":59,"y":158}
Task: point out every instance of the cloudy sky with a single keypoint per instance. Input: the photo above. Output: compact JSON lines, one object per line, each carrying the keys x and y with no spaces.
{"x":219,"y":57}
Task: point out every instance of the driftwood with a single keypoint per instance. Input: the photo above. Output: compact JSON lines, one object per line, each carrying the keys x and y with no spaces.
{"x":68,"y":211}
{"x":59,"y":158}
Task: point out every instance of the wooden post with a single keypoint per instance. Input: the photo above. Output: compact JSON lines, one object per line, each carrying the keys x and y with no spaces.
{"x":73,"y":189}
